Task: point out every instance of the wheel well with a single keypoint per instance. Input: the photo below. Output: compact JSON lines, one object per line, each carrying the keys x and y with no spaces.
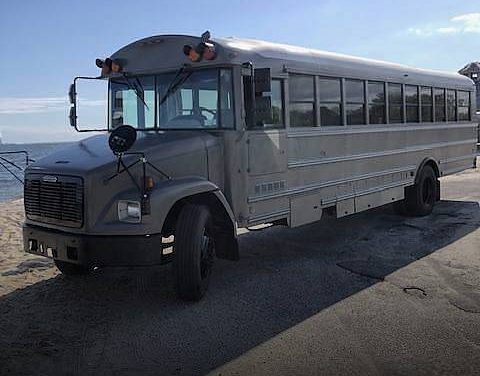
{"x":219,"y":213}
{"x":428,"y":162}
{"x":224,"y":228}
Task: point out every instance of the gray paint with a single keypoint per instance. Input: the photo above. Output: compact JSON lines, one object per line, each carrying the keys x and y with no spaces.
{"x":164,"y":52}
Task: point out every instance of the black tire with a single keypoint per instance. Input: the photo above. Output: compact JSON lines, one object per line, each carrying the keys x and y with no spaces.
{"x":420,"y":198}
{"x":193,"y":252}
{"x":67,"y":268}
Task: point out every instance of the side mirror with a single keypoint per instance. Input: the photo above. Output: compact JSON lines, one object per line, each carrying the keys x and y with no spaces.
{"x":72,"y":95}
{"x":262,"y":80}
{"x":73,"y":117}
{"x":256,"y":83}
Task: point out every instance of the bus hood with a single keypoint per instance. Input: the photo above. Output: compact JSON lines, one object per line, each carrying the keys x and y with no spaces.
{"x":93,"y":155}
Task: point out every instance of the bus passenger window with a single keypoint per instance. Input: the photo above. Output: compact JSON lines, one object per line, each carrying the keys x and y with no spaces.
{"x":376,"y":102}
{"x":463,"y":98}
{"x":411,"y":99}
{"x":395,"y":103}
{"x":302,"y":100}
{"x":330,"y":98}
{"x":355,"y":101}
{"x":427,"y":104}
{"x":439,"y":96}
{"x":451,"y":105}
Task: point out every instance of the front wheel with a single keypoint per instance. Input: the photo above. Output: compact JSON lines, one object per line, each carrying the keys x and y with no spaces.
{"x":194,"y":252}
{"x":69,"y":269}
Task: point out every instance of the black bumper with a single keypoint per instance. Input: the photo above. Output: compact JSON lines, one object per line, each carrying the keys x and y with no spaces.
{"x":94,"y":250}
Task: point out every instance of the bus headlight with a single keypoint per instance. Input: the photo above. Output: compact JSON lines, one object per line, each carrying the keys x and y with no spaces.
{"x":129,"y":211}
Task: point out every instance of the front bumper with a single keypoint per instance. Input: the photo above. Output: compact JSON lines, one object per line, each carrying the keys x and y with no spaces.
{"x":94,"y":250}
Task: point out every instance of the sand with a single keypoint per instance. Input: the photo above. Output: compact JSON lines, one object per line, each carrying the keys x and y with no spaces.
{"x":17,"y":268}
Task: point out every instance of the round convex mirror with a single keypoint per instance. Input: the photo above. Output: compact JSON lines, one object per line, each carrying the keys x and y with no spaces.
{"x":122,"y":138}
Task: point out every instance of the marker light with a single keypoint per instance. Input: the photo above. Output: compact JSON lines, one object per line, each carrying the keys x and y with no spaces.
{"x":104,"y":65}
{"x":193,"y":55}
{"x":149,"y":183}
{"x":116,"y":67}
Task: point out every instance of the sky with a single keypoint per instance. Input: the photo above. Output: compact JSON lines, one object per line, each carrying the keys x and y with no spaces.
{"x":45,"y":43}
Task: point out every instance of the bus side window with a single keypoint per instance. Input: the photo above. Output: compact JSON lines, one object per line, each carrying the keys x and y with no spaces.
{"x":411,"y":99}
{"x":463,"y":98}
{"x":226,"y":99}
{"x":330,"y":98}
{"x":302,"y":100}
{"x":439,"y":97}
{"x":427,"y":104}
{"x":276,"y":96}
{"x":451,"y":105}
{"x":355,"y":101}
{"x":395,"y":103}
{"x":376,"y":102}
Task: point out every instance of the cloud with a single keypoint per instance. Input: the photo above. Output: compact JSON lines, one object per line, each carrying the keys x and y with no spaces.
{"x":15,"y":105}
{"x":31,"y":105}
{"x":447,"y":30}
{"x":465,"y":23}
{"x":470,"y":23}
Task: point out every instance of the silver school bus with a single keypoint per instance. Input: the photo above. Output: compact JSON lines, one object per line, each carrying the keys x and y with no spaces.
{"x":208,"y":135}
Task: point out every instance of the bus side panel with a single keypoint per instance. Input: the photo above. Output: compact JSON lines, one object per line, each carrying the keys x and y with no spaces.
{"x":351,"y":168}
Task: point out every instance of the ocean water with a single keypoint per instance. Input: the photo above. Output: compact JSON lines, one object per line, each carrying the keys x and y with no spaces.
{"x":10,"y":188}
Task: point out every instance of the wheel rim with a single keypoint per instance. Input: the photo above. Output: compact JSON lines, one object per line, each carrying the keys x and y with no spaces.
{"x":206,"y":256}
{"x":427,"y":191}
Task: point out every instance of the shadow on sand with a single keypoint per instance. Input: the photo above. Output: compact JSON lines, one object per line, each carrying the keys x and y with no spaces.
{"x":121,"y":321}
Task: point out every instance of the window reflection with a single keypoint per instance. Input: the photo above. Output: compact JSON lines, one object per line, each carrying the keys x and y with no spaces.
{"x":330,"y":101}
{"x":376,"y":102}
{"x":302,"y":100}
{"x":395,"y":103}
{"x":355,"y":101}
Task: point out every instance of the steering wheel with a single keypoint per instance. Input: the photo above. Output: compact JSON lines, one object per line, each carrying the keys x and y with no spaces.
{"x":213,"y":112}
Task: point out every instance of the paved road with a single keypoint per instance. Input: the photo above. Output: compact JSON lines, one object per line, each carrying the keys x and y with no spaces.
{"x":372,"y":294}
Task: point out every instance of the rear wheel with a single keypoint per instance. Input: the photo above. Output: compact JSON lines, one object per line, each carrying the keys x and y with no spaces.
{"x":68,"y":268}
{"x":194,"y":252}
{"x":420,"y":198}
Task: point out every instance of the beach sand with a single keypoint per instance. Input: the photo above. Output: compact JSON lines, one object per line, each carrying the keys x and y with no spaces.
{"x":17,"y":268}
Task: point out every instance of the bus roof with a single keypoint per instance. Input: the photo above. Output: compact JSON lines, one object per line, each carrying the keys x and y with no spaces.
{"x":164,"y":52}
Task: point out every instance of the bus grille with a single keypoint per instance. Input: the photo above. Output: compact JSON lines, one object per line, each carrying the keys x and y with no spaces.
{"x":54,"y":199}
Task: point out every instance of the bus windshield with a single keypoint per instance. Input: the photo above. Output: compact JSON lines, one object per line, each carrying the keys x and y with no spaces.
{"x":201,"y":99}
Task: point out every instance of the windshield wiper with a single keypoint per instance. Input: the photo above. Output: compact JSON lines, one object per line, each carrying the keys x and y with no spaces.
{"x":138,"y":92}
{"x":175,"y":83}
